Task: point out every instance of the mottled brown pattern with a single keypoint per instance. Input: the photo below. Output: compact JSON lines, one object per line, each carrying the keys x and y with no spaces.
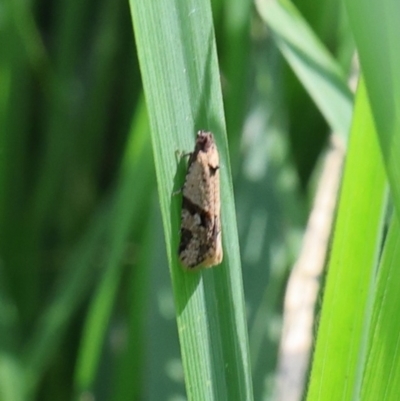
{"x":200,"y":244}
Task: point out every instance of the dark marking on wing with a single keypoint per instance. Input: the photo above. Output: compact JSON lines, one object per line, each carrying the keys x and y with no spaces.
{"x":193,"y":209}
{"x":186,"y":237}
{"x":213,"y":169}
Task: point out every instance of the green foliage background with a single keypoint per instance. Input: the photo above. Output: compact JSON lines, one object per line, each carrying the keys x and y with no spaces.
{"x":95,"y":98}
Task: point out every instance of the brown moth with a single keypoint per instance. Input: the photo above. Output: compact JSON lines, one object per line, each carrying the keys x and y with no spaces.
{"x":200,"y":244}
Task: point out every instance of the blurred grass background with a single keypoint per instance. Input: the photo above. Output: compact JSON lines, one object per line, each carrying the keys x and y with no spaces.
{"x":86,"y":305}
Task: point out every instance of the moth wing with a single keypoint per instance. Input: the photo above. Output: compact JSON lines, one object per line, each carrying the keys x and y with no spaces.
{"x":200,"y":226}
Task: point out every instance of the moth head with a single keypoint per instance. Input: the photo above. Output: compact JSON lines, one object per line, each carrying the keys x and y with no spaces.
{"x":204,"y":141}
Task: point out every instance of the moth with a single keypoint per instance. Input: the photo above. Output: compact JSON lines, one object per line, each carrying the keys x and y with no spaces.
{"x":200,"y":243}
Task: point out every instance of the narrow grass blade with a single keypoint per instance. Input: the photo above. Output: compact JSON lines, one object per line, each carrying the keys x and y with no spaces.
{"x":11,"y":377}
{"x":176,"y":47}
{"x":310,"y":60}
{"x":128,"y":211}
{"x":73,"y":286}
{"x":376,"y":31}
{"x":382,"y":373}
{"x":235,"y":65}
{"x":340,"y":348}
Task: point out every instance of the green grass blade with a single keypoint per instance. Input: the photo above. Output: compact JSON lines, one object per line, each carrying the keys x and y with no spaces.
{"x":382,"y":373}
{"x":176,"y":47}
{"x":310,"y":60}
{"x":125,"y":385}
{"x":11,"y":377}
{"x":235,"y":65}
{"x":74,"y":284}
{"x":129,"y":213}
{"x":339,"y":352}
{"x":376,"y":31}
